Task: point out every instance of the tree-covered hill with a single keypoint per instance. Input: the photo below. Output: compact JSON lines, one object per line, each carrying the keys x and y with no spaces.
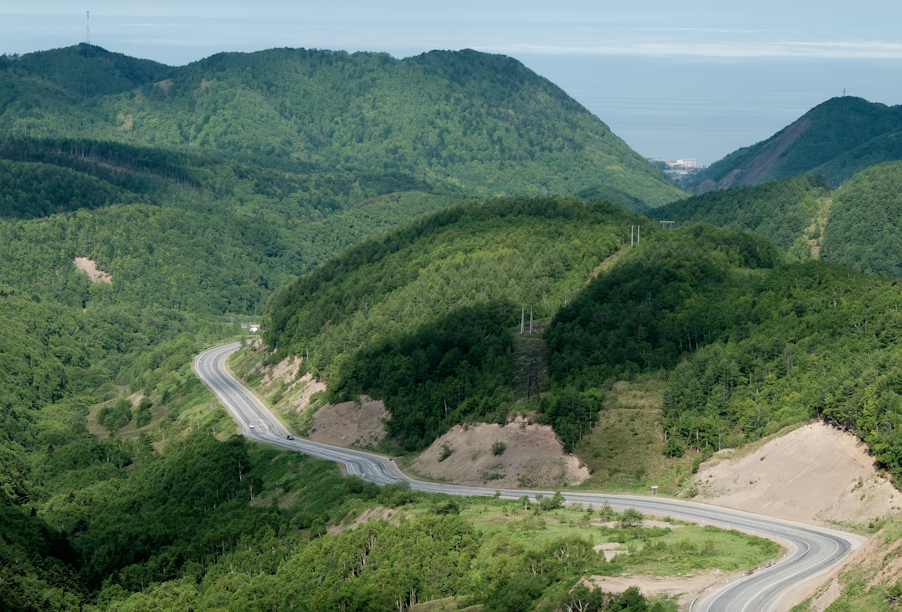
{"x":182,"y":511}
{"x":839,"y":137}
{"x":857,"y":225}
{"x":28,"y":191}
{"x":750,"y":344}
{"x":422,"y":316}
{"x":780,"y":210}
{"x":482,"y":122}
{"x":84,"y":70}
{"x":866,"y":221}
{"x":190,"y":231}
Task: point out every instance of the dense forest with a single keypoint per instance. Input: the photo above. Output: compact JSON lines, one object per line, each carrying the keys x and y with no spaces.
{"x":481,"y":122}
{"x":780,"y":210}
{"x":837,"y":138}
{"x":866,"y":221}
{"x":422,"y":316}
{"x":190,"y":233}
{"x":857,"y":225}
{"x":750,"y":344}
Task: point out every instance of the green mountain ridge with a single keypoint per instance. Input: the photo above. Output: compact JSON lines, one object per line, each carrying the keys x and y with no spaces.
{"x":858,"y":225}
{"x":482,"y":122}
{"x":837,"y":138}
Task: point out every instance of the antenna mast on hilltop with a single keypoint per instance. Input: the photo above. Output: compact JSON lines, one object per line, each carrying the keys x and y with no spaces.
{"x":88,"y":28}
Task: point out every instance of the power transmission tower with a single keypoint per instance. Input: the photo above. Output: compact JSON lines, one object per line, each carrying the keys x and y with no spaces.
{"x":638,"y":234}
{"x":88,"y":28}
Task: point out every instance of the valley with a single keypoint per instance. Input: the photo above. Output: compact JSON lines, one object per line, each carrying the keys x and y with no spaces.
{"x":471,"y":389}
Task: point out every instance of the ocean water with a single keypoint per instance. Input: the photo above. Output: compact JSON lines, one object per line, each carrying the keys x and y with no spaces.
{"x":675,"y":109}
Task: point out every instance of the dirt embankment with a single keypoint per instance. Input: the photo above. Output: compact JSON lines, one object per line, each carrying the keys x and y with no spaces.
{"x":815,"y":474}
{"x":350,"y":423}
{"x":532,"y":457}
{"x":346,"y":424}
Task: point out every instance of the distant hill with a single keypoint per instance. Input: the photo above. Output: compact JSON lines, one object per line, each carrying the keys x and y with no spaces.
{"x":858,"y":225}
{"x":838,"y":138}
{"x":84,"y":70}
{"x":484,"y":123}
{"x":781,"y":210}
{"x":866,"y":221}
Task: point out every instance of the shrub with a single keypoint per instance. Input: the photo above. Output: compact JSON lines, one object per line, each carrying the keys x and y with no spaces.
{"x":446,"y":452}
{"x":498,"y":448}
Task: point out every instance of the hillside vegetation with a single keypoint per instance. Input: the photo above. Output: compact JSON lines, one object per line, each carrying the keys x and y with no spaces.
{"x":182,"y":511}
{"x":422,"y":316}
{"x":750,"y":344}
{"x":484,"y":123}
{"x":866,"y":221}
{"x":857,"y":225}
{"x":838,"y":138}
{"x":779,"y":210}
{"x":188,"y":232}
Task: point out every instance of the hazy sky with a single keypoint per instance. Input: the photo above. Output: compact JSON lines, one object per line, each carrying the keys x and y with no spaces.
{"x":673,"y":79}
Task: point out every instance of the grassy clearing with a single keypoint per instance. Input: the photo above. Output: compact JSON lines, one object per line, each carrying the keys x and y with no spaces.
{"x":624,"y":452}
{"x":679,"y":547}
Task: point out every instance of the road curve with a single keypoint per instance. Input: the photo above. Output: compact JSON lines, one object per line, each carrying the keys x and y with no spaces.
{"x":813,"y":550}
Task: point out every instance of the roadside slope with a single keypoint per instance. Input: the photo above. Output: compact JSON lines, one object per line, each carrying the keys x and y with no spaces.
{"x":815,"y":474}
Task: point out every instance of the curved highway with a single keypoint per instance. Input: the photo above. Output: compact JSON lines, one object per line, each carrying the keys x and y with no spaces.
{"x":812,"y":550}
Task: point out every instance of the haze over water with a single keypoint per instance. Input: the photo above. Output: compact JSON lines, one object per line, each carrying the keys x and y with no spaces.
{"x":698,"y":83}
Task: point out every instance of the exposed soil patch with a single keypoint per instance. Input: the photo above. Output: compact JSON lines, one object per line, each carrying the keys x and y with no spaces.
{"x":532,"y":457}
{"x":165,"y":85}
{"x":815,"y":474}
{"x":684,"y":587}
{"x":350,"y":423}
{"x":610,"y":550}
{"x":378,"y":513}
{"x":89,"y":267}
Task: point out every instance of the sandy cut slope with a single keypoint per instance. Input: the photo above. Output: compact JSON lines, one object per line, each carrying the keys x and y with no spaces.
{"x":532,"y":457}
{"x":350,"y":423}
{"x":814,"y":474}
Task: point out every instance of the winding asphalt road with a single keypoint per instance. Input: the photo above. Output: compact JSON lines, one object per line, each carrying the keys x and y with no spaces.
{"x":812,"y":550}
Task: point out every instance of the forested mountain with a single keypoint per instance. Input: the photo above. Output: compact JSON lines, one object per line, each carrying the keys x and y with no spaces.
{"x":422,"y":316}
{"x":192,"y":232}
{"x":84,"y":70}
{"x":838,"y":138}
{"x":780,"y":210}
{"x":857,"y":225}
{"x":750,"y":344}
{"x":482,"y":122}
{"x":866,"y":221}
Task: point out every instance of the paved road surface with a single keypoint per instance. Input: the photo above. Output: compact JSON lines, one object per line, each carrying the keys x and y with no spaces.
{"x":813,"y":550}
